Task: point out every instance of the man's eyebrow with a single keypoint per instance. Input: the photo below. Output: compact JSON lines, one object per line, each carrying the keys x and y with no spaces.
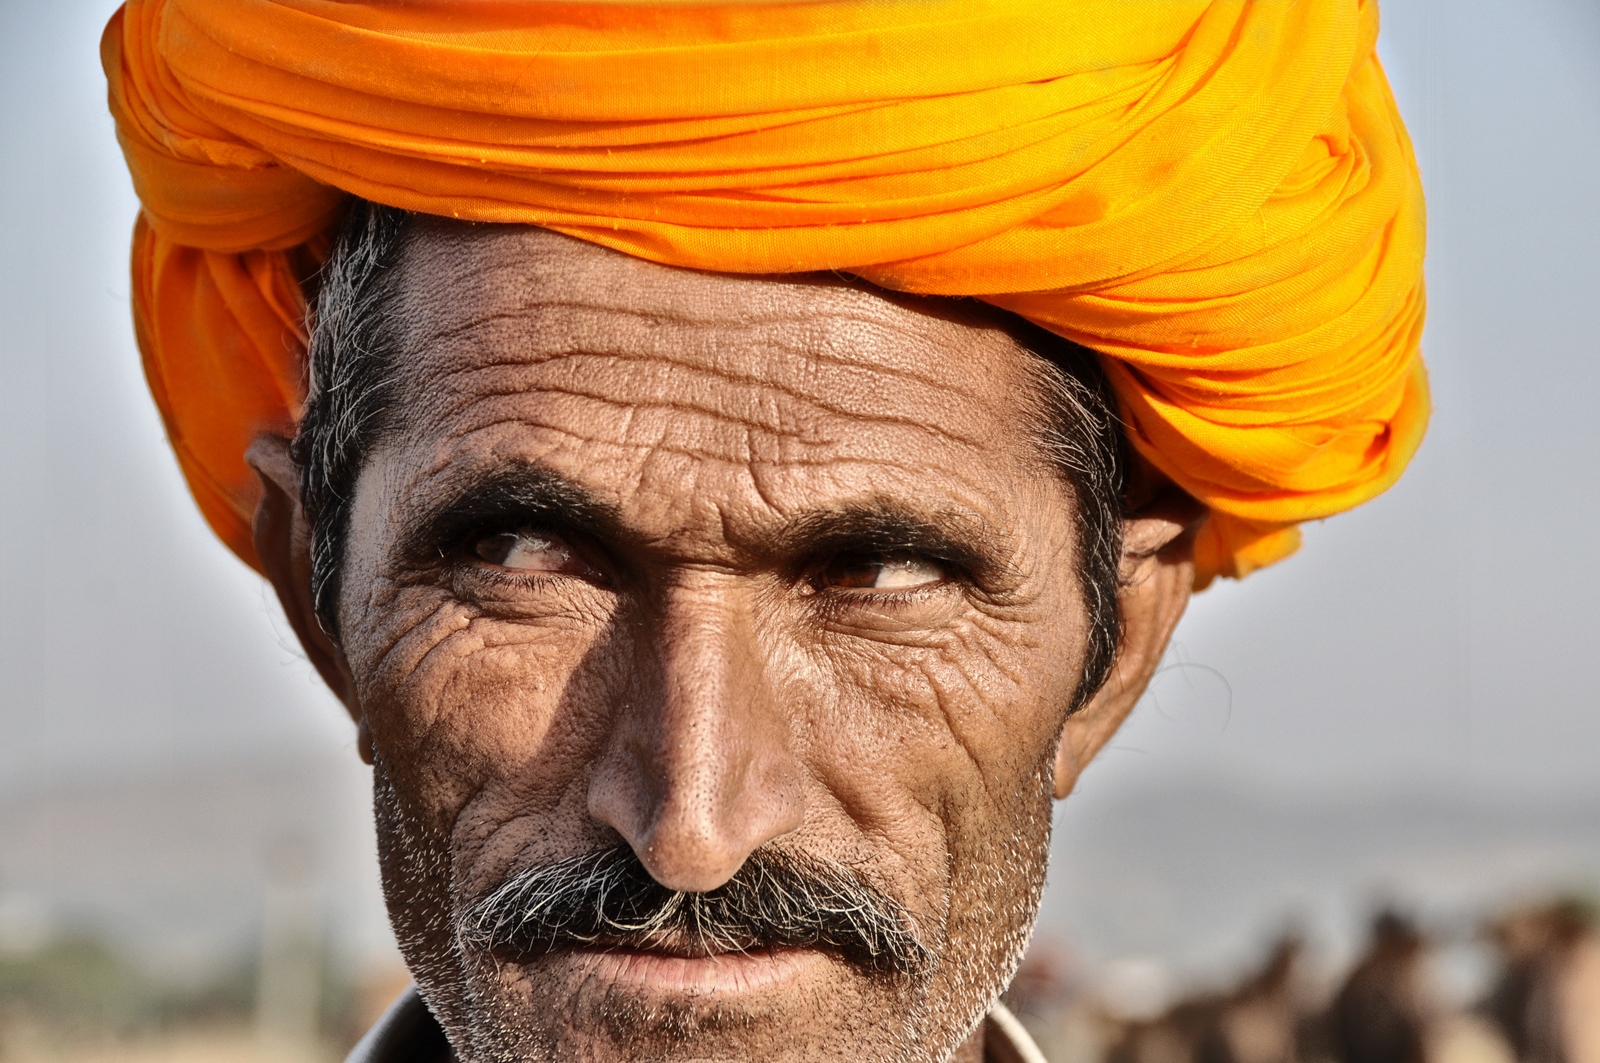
{"x":959,"y":537}
{"x":507,"y":495}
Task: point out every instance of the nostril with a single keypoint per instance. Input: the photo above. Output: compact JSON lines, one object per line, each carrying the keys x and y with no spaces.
{"x":615,"y":801}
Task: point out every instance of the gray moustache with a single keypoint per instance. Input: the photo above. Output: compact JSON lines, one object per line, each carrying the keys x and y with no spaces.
{"x":606,"y":899}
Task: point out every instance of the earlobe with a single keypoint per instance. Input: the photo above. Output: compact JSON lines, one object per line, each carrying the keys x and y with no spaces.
{"x":283,"y":544}
{"x":1157,"y":577}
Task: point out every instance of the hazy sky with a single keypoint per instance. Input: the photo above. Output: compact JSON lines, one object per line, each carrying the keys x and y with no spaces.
{"x":1443,"y":636}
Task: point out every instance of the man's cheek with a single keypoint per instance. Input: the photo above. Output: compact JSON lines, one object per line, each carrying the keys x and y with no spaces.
{"x":968,"y":706}
{"x":468,"y":699}
{"x":1005,"y":695}
{"x":893,"y":740}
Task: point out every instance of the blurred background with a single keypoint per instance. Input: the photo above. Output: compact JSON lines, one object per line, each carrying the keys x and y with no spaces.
{"x":1371,"y":773}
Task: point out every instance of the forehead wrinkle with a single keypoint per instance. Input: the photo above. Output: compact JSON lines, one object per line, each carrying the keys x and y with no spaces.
{"x":756,"y":471}
{"x":757,"y":468}
{"x":548,"y":261}
{"x":776,"y":425}
{"x":878,"y":346}
{"x":447,"y":456}
{"x":731,"y":402}
{"x":726,"y":354}
{"x":828,"y":329}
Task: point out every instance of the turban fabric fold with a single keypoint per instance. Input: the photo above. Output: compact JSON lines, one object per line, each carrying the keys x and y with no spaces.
{"x":1218,"y":196}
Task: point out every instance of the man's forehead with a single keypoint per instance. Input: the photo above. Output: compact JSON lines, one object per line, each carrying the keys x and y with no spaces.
{"x":462,"y":281}
{"x":692,"y":399}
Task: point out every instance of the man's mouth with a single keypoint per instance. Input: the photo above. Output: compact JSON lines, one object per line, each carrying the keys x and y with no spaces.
{"x":652,"y":973}
{"x":667,"y":945}
{"x":675,"y":964}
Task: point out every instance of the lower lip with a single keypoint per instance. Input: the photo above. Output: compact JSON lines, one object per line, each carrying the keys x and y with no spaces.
{"x":757,"y":971}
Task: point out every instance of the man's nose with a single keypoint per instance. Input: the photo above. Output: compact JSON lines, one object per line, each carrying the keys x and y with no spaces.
{"x":698,"y":771}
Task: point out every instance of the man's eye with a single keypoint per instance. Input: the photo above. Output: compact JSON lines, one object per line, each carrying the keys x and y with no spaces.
{"x":880,"y":572}
{"x":529,"y":551}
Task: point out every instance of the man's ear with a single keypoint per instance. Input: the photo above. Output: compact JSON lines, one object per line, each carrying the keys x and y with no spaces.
{"x":1156,"y":579}
{"x":283,"y":545}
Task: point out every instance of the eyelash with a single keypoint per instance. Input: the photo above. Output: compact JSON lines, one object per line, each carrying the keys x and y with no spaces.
{"x":532,"y":581}
{"x":834,"y":598}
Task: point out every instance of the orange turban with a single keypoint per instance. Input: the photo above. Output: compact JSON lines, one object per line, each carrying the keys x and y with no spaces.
{"x":1216,"y":195}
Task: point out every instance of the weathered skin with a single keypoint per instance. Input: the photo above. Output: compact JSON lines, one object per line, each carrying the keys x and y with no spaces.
{"x":691,"y":670}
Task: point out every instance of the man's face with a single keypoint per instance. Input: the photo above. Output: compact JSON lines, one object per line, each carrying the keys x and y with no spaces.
{"x":656,"y":570}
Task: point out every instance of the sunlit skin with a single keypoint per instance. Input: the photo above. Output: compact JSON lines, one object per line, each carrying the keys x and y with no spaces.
{"x":788,"y":569}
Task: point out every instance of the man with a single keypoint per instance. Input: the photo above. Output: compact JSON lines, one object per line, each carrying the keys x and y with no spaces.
{"x":719,"y":600}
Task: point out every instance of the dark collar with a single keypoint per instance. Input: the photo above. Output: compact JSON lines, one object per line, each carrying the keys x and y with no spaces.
{"x":407,"y":1033}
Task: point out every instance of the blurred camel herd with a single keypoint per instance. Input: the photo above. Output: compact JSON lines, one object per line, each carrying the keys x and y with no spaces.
{"x":1543,"y":1005}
